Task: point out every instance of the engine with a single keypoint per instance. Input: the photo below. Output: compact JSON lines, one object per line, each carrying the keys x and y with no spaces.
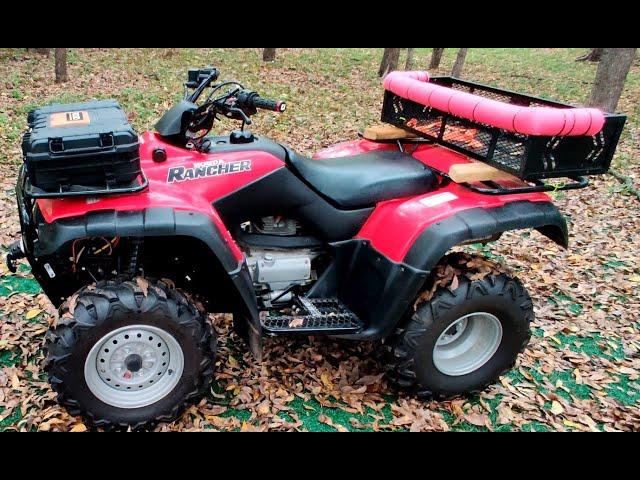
{"x":276,"y":271}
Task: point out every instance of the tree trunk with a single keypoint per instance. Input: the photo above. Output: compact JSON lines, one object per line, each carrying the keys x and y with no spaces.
{"x":436,"y":57}
{"x":42,"y":51}
{"x":61,"y":65}
{"x":459,"y":64}
{"x":594,"y":55}
{"x":268,"y":54}
{"x":409,"y":63}
{"x":610,"y":77}
{"x":390,"y":59}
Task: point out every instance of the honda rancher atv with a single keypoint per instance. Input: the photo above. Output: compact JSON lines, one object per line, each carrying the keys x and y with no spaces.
{"x":135,"y":238}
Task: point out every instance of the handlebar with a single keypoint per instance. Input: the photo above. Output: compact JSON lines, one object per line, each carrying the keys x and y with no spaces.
{"x":273,"y":105}
{"x":236,"y":104}
{"x":251,"y":100}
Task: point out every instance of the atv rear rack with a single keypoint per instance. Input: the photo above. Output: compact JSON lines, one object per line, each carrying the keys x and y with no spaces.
{"x":491,"y":187}
{"x":515,"y":134}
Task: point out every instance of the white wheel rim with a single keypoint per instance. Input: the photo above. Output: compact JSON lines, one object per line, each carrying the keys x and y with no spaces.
{"x":467,"y":344}
{"x":134,"y":366}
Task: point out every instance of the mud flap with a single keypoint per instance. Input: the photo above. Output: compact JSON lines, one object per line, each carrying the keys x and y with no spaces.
{"x":247,"y":323}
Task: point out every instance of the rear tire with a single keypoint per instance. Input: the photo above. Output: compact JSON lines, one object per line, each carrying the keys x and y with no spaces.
{"x":425,"y":358}
{"x":116,"y":345}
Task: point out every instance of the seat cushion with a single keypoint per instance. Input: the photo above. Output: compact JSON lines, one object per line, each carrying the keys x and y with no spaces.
{"x":363,"y":180}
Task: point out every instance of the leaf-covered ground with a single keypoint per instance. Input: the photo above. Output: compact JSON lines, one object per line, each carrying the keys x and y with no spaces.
{"x":581,"y":370}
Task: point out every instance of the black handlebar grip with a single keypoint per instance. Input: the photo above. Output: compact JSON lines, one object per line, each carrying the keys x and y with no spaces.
{"x":273,"y":105}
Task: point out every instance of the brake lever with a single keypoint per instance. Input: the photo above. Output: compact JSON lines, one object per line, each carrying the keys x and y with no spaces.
{"x":244,"y":116}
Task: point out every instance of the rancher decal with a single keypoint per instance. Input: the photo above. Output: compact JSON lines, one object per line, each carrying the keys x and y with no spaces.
{"x":211,"y":168}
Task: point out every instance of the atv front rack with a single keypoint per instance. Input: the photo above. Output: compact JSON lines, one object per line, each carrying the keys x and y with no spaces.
{"x":85,"y":191}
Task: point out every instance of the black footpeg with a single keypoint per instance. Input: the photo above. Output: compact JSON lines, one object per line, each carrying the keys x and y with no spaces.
{"x":313,"y":315}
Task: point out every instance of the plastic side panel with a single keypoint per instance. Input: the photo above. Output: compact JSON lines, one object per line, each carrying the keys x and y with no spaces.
{"x":395,"y":225}
{"x":376,"y":289}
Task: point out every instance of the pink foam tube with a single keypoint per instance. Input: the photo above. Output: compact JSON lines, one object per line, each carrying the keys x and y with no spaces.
{"x":542,"y":121}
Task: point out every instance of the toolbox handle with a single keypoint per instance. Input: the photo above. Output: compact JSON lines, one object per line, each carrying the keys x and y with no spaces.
{"x":107,"y":142}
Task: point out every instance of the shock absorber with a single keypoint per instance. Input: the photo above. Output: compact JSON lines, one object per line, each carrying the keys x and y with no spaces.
{"x":134,"y":258}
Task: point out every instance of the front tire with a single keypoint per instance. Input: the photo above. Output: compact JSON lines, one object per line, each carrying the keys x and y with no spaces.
{"x":462,"y":340}
{"x":129,"y":353}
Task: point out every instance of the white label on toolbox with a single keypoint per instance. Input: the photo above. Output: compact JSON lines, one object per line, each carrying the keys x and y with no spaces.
{"x":438,"y":199}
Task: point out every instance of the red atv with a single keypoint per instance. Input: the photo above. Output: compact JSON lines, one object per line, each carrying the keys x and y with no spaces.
{"x":135,"y":238}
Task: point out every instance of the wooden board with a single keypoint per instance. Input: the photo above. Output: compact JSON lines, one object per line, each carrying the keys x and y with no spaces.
{"x":386,"y":132}
{"x":478,"y":172}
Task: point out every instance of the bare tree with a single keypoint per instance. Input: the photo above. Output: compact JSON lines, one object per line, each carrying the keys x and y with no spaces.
{"x":390,"y":59}
{"x":409,"y":63}
{"x":613,"y":68}
{"x":268,"y":54}
{"x":436,"y":57}
{"x":42,"y":51}
{"x":593,"y":55}
{"x":459,"y":64}
{"x":61,"y":65}
{"x":169,"y":52}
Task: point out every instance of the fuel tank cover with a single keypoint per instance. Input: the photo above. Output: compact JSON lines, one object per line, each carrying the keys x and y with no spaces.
{"x":159,"y":155}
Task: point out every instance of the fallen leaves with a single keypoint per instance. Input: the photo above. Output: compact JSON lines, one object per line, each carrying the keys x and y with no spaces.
{"x":322,"y":418}
{"x":556,"y":408}
{"x":449,"y":270}
{"x":296,"y":322}
{"x":143,"y":284}
{"x":478,"y":419}
{"x":33,"y":313}
{"x":79,"y":427}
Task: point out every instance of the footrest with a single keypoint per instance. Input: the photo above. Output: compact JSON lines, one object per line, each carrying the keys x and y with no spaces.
{"x":313,"y":315}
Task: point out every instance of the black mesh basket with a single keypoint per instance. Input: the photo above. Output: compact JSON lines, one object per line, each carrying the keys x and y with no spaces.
{"x":528,"y":157}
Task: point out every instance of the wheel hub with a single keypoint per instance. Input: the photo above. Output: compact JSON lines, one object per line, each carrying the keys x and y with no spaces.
{"x":134,"y":366}
{"x":467,"y":344}
{"x":133,"y":362}
{"x":452,"y":333}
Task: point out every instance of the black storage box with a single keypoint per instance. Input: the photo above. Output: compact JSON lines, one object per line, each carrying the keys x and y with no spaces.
{"x":80,"y":148}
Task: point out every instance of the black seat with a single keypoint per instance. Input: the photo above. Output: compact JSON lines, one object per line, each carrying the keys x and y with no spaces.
{"x":363,"y":180}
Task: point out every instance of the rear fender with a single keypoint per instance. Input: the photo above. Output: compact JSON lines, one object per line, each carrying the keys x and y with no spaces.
{"x":380,"y":289}
{"x":480,"y":224}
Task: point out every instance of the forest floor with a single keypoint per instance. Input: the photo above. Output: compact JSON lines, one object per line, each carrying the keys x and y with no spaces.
{"x":581,"y":369}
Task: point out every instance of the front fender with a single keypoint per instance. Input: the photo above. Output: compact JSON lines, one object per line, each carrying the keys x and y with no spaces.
{"x":482,"y":223}
{"x":159,"y":222}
